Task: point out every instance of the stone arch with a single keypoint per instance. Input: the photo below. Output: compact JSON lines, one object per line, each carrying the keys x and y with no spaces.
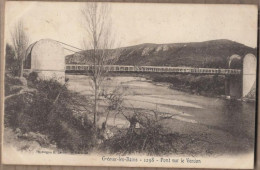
{"x":235,"y":62}
{"x":47,"y":59}
{"x":28,"y":57}
{"x":249,"y":76}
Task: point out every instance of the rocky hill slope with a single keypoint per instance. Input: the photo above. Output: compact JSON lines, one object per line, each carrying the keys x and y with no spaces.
{"x":213,"y":54}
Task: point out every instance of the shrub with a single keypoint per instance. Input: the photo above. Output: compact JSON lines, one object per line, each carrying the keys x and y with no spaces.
{"x":199,"y":84}
{"x":50,"y":110}
{"x":151,"y":137}
{"x":13,"y":84}
{"x":33,"y":77}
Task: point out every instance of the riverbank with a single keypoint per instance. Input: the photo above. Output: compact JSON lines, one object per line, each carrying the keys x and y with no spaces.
{"x":225,"y":126}
{"x":204,"y":85}
{"x":185,"y":123}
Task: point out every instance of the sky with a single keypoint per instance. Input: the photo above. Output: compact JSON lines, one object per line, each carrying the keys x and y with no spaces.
{"x":137,"y":23}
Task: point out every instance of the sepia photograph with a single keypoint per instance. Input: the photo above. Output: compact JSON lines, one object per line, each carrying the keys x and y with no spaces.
{"x":130,"y":84}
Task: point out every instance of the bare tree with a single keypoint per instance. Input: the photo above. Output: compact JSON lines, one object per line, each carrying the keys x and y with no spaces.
{"x":20,"y":41}
{"x":98,"y":44}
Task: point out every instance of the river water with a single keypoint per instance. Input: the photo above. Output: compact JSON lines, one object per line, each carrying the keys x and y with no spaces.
{"x":224,"y":120}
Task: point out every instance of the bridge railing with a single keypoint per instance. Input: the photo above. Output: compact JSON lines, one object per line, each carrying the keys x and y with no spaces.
{"x":123,"y":68}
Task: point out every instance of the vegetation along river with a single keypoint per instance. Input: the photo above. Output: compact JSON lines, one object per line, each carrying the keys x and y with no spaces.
{"x":228,"y":123}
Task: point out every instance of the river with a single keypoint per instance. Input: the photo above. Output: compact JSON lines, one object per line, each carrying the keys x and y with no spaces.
{"x":221,"y":119}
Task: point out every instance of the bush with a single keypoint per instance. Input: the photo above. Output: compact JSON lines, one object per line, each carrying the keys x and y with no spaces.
{"x":33,"y":77}
{"x":147,"y":134}
{"x":151,"y":137}
{"x":18,"y":81}
{"x":50,"y":110}
{"x":200,"y":84}
{"x":13,"y":84}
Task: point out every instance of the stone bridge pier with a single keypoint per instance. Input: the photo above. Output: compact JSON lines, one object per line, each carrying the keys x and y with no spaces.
{"x":47,"y":58}
{"x":233,"y":86}
{"x":242,"y":86}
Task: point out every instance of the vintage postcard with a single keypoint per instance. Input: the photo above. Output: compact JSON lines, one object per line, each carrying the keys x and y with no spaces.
{"x":130,"y":84}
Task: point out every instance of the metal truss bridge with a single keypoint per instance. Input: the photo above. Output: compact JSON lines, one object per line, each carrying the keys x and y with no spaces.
{"x":160,"y":69}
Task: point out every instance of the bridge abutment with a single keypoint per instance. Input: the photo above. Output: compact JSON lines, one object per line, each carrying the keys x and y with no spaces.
{"x":46,"y":57}
{"x":249,"y":76}
{"x":242,"y":86}
{"x":227,"y":86}
{"x":235,"y":87}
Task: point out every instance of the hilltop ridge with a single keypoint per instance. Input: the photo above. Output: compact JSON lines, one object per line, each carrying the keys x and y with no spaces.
{"x":212,"y":54}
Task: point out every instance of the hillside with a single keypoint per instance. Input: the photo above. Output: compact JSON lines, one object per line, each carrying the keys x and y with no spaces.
{"x":212,"y":54}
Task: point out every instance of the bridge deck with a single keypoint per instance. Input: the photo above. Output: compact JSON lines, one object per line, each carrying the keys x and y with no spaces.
{"x":124,"y":68}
